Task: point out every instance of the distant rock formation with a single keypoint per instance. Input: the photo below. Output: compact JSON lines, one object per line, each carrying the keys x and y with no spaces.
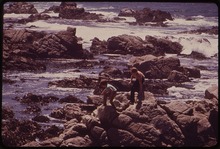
{"x":128,"y":44}
{"x":146,"y":16}
{"x":21,"y":8}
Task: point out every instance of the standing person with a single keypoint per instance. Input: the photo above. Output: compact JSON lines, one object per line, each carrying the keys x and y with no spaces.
{"x":138,"y":85}
{"x":108,"y":91}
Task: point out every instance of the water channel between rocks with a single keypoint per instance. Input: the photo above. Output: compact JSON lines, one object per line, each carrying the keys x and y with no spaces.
{"x":59,"y":69}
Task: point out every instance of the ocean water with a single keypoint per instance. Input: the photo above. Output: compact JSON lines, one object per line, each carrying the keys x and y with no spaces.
{"x":201,"y":15}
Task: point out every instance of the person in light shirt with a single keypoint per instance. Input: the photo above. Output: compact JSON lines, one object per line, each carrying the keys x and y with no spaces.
{"x":109,"y":91}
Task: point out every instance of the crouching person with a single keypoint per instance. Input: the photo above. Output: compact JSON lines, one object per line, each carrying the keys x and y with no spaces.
{"x":109,"y":91}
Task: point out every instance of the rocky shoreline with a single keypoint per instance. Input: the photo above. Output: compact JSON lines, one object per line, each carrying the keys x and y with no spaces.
{"x":152,"y":123}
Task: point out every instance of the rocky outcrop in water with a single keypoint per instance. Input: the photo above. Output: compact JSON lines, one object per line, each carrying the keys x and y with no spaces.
{"x":128,"y":44}
{"x":34,"y":17}
{"x":146,"y":16}
{"x":69,"y":10}
{"x":163,"y":67}
{"x":21,"y":48}
{"x":21,"y":8}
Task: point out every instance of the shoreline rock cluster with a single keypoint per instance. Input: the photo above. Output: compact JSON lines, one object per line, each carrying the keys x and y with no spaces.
{"x":69,"y":10}
{"x":151,"y":123}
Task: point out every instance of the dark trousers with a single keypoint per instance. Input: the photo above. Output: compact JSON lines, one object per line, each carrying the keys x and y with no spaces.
{"x":136,"y":88}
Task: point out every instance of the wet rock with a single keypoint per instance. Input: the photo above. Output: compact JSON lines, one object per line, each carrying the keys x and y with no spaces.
{"x":41,"y":118}
{"x":16,"y":133}
{"x":148,"y":15}
{"x":7,"y":112}
{"x":32,"y":109}
{"x":86,"y":64}
{"x":196,"y":55}
{"x":81,"y":82}
{"x":127,"y":44}
{"x":176,"y":76}
{"x":111,"y":71}
{"x":164,"y":45}
{"x":155,"y":67}
{"x":31,"y":98}
{"x":158,"y":87}
{"x":70,"y":99}
{"x":98,"y":46}
{"x":52,"y":131}
{"x":58,"y":113}
{"x":190,"y":72}
{"x":34,"y":17}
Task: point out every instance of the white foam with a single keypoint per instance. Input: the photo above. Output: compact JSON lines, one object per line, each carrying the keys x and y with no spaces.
{"x":199,"y":22}
{"x":42,"y":25}
{"x":52,"y":14}
{"x":16,"y":16}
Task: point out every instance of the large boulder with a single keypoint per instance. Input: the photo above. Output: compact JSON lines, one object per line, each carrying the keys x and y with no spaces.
{"x":62,"y":44}
{"x":163,"y":67}
{"x":128,"y":44}
{"x":155,"y":67}
{"x":148,"y":15}
{"x":164,"y":45}
{"x":98,"y":46}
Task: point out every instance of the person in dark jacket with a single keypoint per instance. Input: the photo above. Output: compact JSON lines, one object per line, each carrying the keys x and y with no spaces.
{"x":138,"y":85}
